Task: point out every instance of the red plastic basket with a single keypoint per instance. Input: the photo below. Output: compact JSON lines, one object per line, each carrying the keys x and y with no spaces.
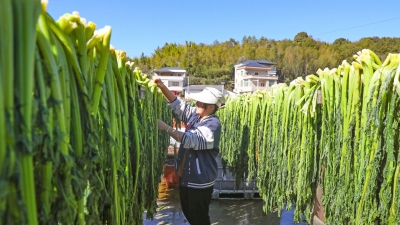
{"x":170,"y":176}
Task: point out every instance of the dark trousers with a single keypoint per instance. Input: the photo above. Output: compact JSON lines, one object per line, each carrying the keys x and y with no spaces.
{"x":195,"y":204}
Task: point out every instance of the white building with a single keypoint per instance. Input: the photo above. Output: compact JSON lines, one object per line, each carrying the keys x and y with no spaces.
{"x":174,"y":78}
{"x":252,"y":75}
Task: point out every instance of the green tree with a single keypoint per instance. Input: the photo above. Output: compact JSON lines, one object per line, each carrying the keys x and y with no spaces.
{"x":298,"y":57}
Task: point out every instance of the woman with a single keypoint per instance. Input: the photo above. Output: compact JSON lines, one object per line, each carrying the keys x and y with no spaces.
{"x":196,"y":164}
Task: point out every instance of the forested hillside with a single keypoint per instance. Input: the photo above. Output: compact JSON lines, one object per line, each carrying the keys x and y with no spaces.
{"x":211,"y":64}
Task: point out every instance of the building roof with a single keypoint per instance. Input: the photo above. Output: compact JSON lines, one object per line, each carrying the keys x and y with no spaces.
{"x":265,"y":62}
{"x":260,"y":61}
{"x":169,"y":69}
{"x":253,"y":64}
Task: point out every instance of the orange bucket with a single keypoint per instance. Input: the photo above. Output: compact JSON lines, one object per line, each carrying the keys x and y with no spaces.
{"x":170,"y":176}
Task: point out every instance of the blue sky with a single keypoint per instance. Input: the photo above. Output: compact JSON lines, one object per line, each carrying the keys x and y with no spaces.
{"x":143,"y":25}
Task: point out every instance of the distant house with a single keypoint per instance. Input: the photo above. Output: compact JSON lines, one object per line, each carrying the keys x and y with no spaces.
{"x":252,"y":75}
{"x":174,"y":78}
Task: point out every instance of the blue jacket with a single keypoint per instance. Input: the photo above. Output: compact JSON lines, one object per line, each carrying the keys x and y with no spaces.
{"x":200,"y":142}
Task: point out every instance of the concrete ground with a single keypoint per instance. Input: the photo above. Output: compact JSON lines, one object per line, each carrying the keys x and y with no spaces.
{"x":234,"y":211}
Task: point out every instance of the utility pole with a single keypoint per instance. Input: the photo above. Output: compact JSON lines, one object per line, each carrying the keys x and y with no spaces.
{"x":188,"y":86}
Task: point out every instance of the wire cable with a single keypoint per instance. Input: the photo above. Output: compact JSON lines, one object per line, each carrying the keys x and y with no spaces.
{"x":356,"y":26}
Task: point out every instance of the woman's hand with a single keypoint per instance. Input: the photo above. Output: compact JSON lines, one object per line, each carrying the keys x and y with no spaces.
{"x":158,"y":81}
{"x":175,"y":134}
{"x":161,"y":125}
{"x":166,"y":92}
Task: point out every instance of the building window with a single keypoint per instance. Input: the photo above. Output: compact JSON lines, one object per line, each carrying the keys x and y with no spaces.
{"x":242,"y":73}
{"x":271,"y":82}
{"x":256,"y":73}
{"x":179,"y":75}
{"x":262,"y":84}
{"x":246,"y":83}
{"x":174,"y":84}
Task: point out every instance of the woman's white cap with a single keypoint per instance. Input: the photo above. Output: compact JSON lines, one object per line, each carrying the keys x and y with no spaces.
{"x":209,"y":96}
